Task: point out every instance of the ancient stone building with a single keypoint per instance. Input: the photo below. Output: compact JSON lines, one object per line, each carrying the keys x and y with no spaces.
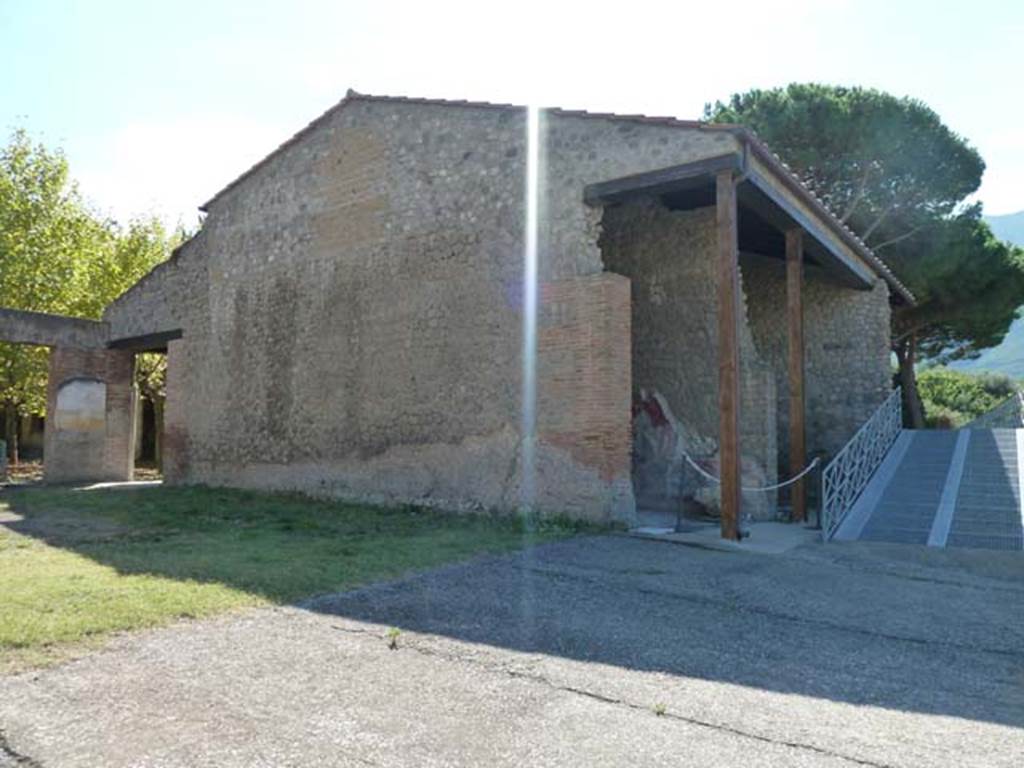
{"x":349,"y":319}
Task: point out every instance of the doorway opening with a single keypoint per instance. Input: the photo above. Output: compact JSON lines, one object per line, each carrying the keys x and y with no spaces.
{"x":150,"y":400}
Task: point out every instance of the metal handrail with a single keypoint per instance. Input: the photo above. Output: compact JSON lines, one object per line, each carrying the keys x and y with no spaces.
{"x":1007,"y":414}
{"x":845,"y":477}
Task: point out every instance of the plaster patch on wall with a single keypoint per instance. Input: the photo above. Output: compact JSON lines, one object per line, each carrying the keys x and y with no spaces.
{"x":82,"y":405}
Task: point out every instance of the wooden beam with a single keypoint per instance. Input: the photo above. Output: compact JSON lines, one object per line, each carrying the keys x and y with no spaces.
{"x":795,"y":325}
{"x":728,"y":353}
{"x":832,"y":247}
{"x":672,"y":179}
{"x":150,"y":342}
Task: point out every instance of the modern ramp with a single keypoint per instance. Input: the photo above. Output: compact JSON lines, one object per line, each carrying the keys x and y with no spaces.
{"x":988,"y":507}
{"x":945,"y":489}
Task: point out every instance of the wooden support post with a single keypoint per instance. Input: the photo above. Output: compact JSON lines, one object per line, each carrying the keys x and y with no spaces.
{"x":795,"y":324}
{"x":728,"y":354}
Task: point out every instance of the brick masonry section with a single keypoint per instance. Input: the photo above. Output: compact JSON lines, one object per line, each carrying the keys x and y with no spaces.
{"x":584,"y":381}
{"x":83,"y":449}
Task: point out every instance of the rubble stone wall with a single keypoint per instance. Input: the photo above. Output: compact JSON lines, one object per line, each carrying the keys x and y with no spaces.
{"x":670,"y":258}
{"x":847,"y":369}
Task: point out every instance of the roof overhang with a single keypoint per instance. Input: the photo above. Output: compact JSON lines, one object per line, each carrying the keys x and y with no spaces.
{"x":677,"y":178}
{"x":776,"y":198}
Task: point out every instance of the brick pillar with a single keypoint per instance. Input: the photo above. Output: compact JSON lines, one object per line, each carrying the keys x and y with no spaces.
{"x":90,"y":421}
{"x":585,"y":386}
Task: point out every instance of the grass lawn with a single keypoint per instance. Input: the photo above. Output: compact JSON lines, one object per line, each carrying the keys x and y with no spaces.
{"x":78,"y":565}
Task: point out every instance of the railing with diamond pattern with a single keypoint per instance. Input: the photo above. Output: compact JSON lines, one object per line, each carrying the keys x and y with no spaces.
{"x":849,"y":472}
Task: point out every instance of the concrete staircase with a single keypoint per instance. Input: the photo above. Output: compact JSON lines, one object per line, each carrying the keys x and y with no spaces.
{"x":945,"y":489}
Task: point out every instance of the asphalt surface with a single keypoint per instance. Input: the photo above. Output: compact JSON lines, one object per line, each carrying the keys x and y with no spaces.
{"x":591,"y":652}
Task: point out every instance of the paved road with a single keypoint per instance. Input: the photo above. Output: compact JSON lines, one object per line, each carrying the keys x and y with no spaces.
{"x":602,"y":651}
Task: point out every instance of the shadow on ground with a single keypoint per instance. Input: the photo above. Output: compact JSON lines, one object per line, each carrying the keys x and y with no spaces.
{"x":901,"y":628}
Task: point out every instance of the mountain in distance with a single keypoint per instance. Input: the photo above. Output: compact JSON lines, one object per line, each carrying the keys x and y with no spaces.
{"x":1008,"y":357}
{"x":1009,"y":227}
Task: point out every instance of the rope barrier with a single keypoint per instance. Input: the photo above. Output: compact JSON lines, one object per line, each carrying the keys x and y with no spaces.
{"x":775,"y":487}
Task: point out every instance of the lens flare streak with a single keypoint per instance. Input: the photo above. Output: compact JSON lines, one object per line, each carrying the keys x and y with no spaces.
{"x":530,"y":295}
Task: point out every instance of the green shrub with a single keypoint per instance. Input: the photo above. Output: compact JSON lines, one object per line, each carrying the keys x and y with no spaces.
{"x":953,"y":398}
{"x":941,"y":417}
{"x":999,"y":385}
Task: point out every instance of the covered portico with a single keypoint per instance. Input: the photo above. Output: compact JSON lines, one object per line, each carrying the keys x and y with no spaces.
{"x":91,"y":396}
{"x":761,"y":208}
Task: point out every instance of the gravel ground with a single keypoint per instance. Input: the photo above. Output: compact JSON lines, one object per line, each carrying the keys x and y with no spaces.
{"x":590,"y":652}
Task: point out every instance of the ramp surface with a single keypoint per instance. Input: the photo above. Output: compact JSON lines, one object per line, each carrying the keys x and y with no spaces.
{"x":945,"y":489}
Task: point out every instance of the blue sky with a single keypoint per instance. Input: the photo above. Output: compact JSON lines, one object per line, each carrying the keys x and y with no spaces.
{"x":159,"y":105}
